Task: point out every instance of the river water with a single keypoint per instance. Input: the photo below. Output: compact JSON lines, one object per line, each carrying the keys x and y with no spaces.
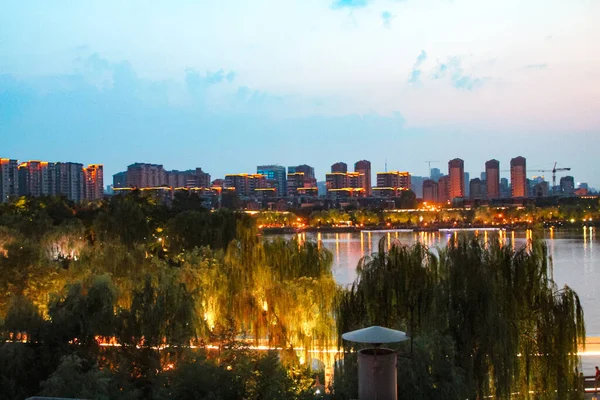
{"x":575,"y":255}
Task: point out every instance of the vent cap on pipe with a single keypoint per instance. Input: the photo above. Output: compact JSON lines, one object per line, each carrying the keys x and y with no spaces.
{"x":375,"y":335}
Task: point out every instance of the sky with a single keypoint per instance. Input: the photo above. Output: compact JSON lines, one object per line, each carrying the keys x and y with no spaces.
{"x":227,"y":85}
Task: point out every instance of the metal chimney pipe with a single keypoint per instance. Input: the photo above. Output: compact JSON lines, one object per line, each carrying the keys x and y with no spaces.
{"x":377,"y":376}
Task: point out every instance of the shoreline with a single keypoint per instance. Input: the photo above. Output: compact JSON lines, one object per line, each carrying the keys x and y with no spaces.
{"x":442,"y":228}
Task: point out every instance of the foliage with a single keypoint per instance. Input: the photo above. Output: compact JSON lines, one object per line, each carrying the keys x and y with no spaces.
{"x":106,"y":300}
{"x":496,"y":310}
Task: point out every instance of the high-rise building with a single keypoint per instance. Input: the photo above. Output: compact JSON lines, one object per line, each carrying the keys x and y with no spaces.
{"x":307,"y":170}
{"x":274,"y":173}
{"x":456,"y":172}
{"x":70,"y":180}
{"x":300,"y":177}
{"x":395,"y":179}
{"x":567,"y":185}
{"x":142,"y":175}
{"x":339,"y":167}
{"x":435,"y":174}
{"x":364,"y":167}
{"x":416,"y":185}
{"x":295,"y":181}
{"x":476,"y":189}
{"x":9,"y":179}
{"x":389,"y":184}
{"x":336,"y":180}
{"x":466,"y":181}
{"x":443,"y":189}
{"x":430,"y":191}
{"x":257,"y":181}
{"x":504,"y":188}
{"x":540,"y":189}
{"x":191,"y":178}
{"x":237,"y":182}
{"x":492,"y":178}
{"x":518,"y":177}
{"x":94,"y":182}
{"x":245,"y":184}
{"x":345,"y":184}
{"x":120,"y":180}
{"x":202,"y":178}
{"x":37,"y":178}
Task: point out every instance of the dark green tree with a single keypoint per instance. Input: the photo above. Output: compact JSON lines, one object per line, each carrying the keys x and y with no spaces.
{"x":507,"y":326}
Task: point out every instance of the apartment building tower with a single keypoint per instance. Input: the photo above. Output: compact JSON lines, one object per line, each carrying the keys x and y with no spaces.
{"x":364,"y":167}
{"x":37,"y":178}
{"x":94,"y":182}
{"x":518,"y":177}
{"x":70,"y":180}
{"x":9,"y":179}
{"x":456,"y":173}
{"x":430,"y":191}
{"x":492,"y":178}
{"x":143,"y":175}
{"x":276,"y":174}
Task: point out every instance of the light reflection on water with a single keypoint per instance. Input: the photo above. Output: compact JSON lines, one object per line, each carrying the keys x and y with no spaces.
{"x":575,"y":255}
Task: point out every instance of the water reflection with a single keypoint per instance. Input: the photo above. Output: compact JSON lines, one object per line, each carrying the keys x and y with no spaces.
{"x":574,"y":256}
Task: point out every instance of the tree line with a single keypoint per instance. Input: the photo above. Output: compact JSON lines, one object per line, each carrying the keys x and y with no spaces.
{"x":131,"y":299}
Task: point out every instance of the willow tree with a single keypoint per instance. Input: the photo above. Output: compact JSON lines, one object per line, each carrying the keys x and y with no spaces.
{"x":278,"y":293}
{"x":508,"y":327}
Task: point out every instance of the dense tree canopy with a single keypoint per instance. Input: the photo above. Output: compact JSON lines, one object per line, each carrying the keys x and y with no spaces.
{"x":483,"y":313}
{"x":131,"y":299}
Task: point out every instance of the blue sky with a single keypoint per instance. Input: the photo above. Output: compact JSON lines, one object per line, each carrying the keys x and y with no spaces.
{"x":227,"y":85}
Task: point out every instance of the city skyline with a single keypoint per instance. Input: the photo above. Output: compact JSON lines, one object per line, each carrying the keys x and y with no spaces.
{"x":177,"y":177}
{"x":190,"y":84}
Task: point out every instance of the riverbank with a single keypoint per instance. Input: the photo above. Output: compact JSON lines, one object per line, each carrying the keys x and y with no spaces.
{"x":408,"y":228}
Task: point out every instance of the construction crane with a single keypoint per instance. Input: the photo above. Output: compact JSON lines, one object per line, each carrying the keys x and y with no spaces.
{"x":554,"y":171}
{"x":429,"y":164}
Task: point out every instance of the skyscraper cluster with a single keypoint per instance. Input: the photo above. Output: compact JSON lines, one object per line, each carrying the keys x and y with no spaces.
{"x":144,"y":175}
{"x":489,"y":186}
{"x":42,"y":178}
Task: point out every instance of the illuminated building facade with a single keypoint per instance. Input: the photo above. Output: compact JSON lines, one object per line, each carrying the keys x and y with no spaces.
{"x":275,"y":173}
{"x":492,"y":178}
{"x":245,"y":184}
{"x":456,"y":173}
{"x":336,"y":180}
{"x":307,"y":170}
{"x":518,"y":177}
{"x":142,"y":175}
{"x":295,"y":181}
{"x":9,"y":179}
{"x":364,"y":167}
{"x":237,"y":182}
{"x":36,"y":178}
{"x":188,"y":179}
{"x":345,"y":184}
{"x":299,"y":184}
{"x":301,"y":177}
{"x":390,"y":184}
{"x":94,"y":182}
{"x":430,"y":191}
{"x":444,"y":189}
